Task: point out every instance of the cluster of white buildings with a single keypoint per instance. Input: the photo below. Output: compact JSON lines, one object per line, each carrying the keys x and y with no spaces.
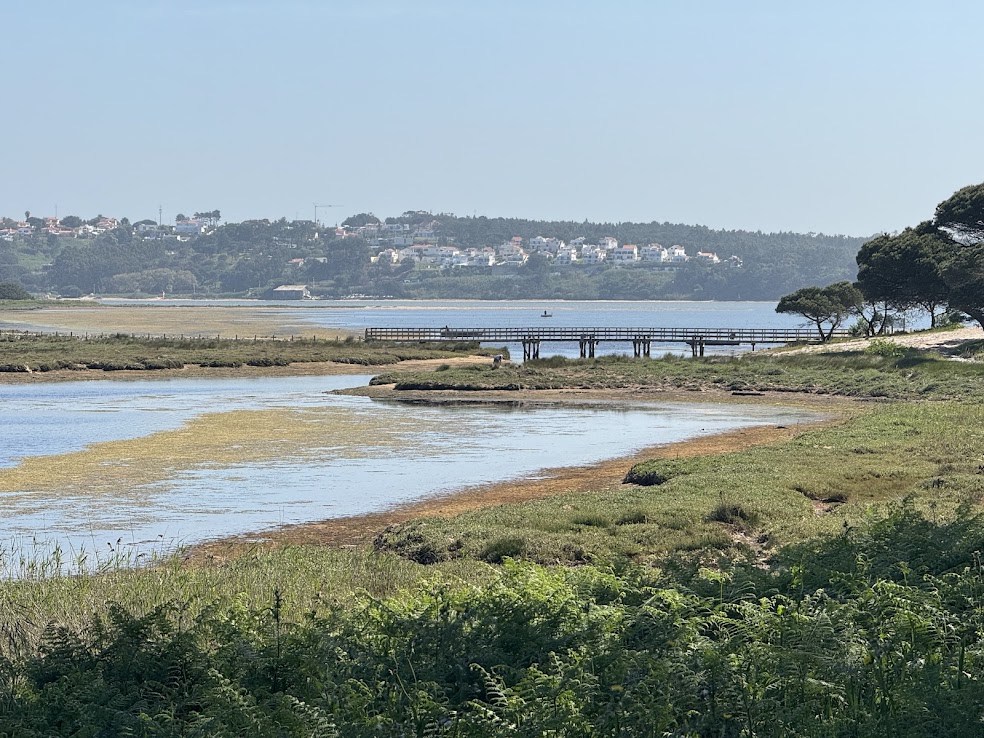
{"x":53,"y":227}
{"x":181,"y":230}
{"x":517,"y":250}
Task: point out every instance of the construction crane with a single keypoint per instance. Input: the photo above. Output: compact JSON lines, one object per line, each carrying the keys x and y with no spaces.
{"x":318,"y":207}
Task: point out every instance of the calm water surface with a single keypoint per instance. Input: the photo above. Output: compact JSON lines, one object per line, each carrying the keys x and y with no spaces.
{"x":357,"y":315}
{"x":436,"y":449}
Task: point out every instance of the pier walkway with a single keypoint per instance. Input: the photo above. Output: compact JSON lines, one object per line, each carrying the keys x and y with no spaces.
{"x":589,"y":338}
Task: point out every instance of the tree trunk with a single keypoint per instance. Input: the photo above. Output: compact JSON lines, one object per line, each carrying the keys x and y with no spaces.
{"x":975,"y":313}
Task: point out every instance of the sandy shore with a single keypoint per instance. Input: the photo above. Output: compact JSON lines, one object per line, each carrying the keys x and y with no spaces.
{"x":945,"y":342}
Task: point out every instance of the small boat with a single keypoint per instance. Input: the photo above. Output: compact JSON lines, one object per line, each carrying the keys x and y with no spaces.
{"x":546,"y":314}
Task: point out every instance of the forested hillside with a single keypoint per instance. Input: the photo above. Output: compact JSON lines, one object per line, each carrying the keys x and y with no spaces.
{"x":252,"y":257}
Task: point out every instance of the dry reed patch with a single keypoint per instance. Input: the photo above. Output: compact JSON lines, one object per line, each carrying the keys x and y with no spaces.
{"x":209,"y":441}
{"x":166,"y":319}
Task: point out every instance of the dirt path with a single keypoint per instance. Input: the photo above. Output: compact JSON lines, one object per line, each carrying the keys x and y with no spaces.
{"x":945,"y":342}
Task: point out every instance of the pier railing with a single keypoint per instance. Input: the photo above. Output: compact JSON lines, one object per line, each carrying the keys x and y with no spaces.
{"x":589,"y":337}
{"x":657,"y":335}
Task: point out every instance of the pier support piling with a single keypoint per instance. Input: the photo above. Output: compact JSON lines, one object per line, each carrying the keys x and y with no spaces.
{"x":587,"y":344}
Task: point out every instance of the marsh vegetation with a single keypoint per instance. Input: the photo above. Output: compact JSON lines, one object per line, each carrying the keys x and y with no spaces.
{"x":34,"y":352}
{"x":823,"y":585}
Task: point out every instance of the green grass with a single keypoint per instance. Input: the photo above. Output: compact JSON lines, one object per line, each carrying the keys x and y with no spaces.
{"x":309,"y":579}
{"x":877,"y":632}
{"x":911,"y":374}
{"x":930,"y":451}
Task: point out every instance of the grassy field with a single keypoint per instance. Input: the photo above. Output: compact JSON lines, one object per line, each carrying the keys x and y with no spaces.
{"x":748,"y":503}
{"x":825,"y":585}
{"x":879,"y":372}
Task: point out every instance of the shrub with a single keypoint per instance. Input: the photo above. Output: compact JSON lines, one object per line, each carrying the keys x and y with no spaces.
{"x":13,"y":291}
{"x":163,"y":364}
{"x":592,"y":520}
{"x":731,"y":514}
{"x":511,"y":547}
{"x":117,"y":366}
{"x":633,"y":517}
{"x":656,"y":472}
{"x":269,"y":361}
{"x":882,"y":347}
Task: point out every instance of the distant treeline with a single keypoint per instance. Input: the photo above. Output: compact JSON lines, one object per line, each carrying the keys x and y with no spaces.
{"x":254,"y":256}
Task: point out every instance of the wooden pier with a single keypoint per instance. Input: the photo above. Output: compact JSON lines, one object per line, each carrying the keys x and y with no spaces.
{"x":588,"y":339}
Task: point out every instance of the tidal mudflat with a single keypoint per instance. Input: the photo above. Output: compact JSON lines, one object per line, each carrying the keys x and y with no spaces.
{"x":157,"y":464}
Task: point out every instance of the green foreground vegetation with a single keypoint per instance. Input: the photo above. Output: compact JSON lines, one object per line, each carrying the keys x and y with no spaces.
{"x":882,"y":370}
{"x":24,"y":352}
{"x":827,"y":585}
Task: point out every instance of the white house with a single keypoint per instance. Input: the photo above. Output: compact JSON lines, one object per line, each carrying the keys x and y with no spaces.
{"x":566,"y":256}
{"x":653,"y":252}
{"x":291,"y":292}
{"x":509,"y":248}
{"x":625,"y":254}
{"x":709,"y":256}
{"x":388,"y":256}
{"x":592,"y":254}
{"x":190,"y":227}
{"x":608,"y":243}
{"x":677,"y":254}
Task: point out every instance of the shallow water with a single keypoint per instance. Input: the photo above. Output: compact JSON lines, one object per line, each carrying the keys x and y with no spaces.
{"x":419,"y":451}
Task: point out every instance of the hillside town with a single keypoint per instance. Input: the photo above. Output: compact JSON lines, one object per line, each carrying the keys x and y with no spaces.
{"x":393,"y":243}
{"x":421,"y":248}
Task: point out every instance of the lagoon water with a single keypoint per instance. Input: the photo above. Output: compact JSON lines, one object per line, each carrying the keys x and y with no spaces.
{"x":421,"y":451}
{"x":357,"y":315}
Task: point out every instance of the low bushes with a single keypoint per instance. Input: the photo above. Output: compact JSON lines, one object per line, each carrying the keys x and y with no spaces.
{"x":883,"y":646}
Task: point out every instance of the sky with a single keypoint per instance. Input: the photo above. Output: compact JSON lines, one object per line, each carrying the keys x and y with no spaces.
{"x":825,"y":116}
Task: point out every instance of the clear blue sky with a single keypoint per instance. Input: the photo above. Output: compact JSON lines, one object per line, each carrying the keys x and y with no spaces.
{"x":835,"y":116}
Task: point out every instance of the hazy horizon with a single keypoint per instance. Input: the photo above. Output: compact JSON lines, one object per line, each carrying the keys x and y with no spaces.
{"x":833,"y":119}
